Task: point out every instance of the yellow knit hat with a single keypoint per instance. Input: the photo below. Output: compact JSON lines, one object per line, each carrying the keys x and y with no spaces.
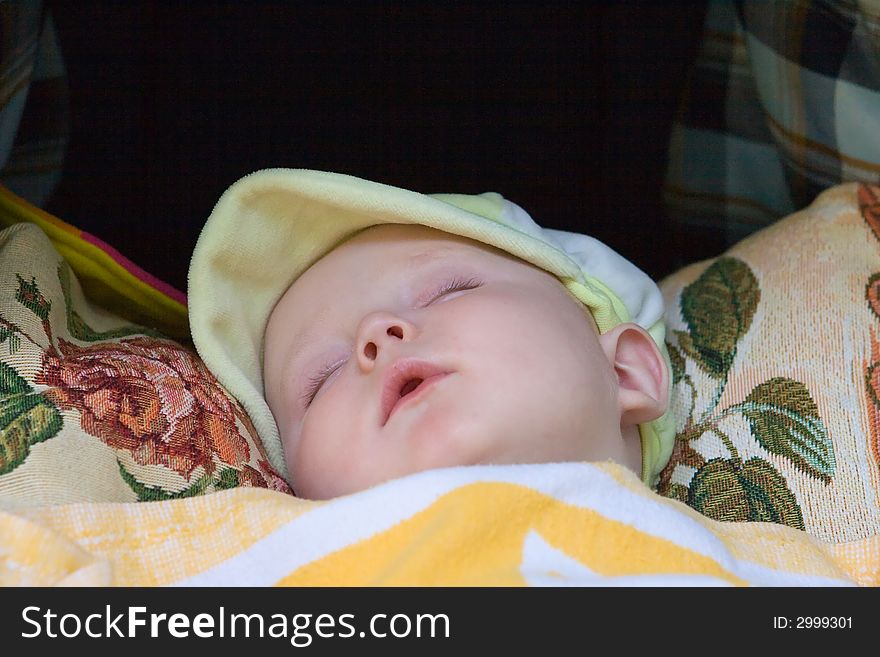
{"x":272,"y":225}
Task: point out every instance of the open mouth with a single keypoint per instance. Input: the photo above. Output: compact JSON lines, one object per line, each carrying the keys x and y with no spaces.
{"x":407,"y":380}
{"x":414,"y":388}
{"x":410,"y":386}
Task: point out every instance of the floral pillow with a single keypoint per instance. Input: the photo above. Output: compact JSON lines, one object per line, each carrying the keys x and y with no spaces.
{"x":93,"y":408}
{"x":775,"y":348}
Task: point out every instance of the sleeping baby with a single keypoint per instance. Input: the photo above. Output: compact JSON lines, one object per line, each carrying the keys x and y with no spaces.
{"x":372,"y":332}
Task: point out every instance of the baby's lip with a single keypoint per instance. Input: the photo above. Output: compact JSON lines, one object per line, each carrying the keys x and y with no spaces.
{"x":398,"y":375}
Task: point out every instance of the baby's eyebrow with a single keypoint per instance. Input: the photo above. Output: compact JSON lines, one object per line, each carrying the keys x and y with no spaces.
{"x":429,"y":255}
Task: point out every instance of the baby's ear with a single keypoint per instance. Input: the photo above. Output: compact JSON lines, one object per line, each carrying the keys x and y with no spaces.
{"x":642,"y":375}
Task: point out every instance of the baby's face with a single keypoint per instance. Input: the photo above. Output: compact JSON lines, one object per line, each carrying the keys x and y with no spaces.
{"x":406,"y":348}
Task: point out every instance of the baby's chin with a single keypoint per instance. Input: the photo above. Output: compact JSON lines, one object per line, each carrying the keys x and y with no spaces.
{"x":307,"y":486}
{"x":337,"y":480}
{"x":334,"y":487}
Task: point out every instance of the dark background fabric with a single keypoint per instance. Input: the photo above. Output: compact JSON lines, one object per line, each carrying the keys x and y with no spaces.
{"x":564,"y":108}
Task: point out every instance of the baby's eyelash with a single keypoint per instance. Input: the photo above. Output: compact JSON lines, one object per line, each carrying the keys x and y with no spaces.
{"x":317,"y":380}
{"x":455,"y":285}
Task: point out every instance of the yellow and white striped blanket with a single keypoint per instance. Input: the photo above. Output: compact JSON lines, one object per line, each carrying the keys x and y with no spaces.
{"x":558,"y":524}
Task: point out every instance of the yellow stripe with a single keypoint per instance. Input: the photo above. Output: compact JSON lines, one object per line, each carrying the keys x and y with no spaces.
{"x":159,"y":543}
{"x":33,"y":555}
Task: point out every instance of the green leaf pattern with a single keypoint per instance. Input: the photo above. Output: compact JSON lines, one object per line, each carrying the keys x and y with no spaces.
{"x":30,"y":297}
{"x":718,"y":309}
{"x":26,"y":418}
{"x":678,"y":364}
{"x":222,"y":480}
{"x":785,"y":421}
{"x":146,"y":493}
{"x":754,"y":491}
{"x":13,"y":337}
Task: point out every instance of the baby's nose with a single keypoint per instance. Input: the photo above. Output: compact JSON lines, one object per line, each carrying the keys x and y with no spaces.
{"x":377,"y":331}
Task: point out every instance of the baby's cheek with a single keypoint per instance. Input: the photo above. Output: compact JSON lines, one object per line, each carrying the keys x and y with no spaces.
{"x":306,"y":452}
{"x":336,"y":455}
{"x":313,"y":470}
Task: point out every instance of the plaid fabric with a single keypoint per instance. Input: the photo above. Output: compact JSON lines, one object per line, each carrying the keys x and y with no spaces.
{"x":783,"y":102}
{"x":33,"y":101}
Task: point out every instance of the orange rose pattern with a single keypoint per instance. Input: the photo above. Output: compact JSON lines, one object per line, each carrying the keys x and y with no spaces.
{"x":155,"y":400}
{"x":134,"y":390}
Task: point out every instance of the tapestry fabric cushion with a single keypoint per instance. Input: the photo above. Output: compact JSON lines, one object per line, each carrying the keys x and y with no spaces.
{"x":775,"y":348}
{"x":94,"y":408}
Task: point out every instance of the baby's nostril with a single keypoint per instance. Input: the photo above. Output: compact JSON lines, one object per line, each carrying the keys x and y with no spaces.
{"x":409,"y":386}
{"x":395,"y":331}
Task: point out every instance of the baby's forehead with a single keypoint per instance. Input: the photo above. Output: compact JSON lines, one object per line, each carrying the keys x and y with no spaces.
{"x":408,"y":245}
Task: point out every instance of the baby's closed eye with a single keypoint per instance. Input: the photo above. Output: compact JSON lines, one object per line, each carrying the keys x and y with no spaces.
{"x":454,"y":285}
{"x":316,"y":382}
